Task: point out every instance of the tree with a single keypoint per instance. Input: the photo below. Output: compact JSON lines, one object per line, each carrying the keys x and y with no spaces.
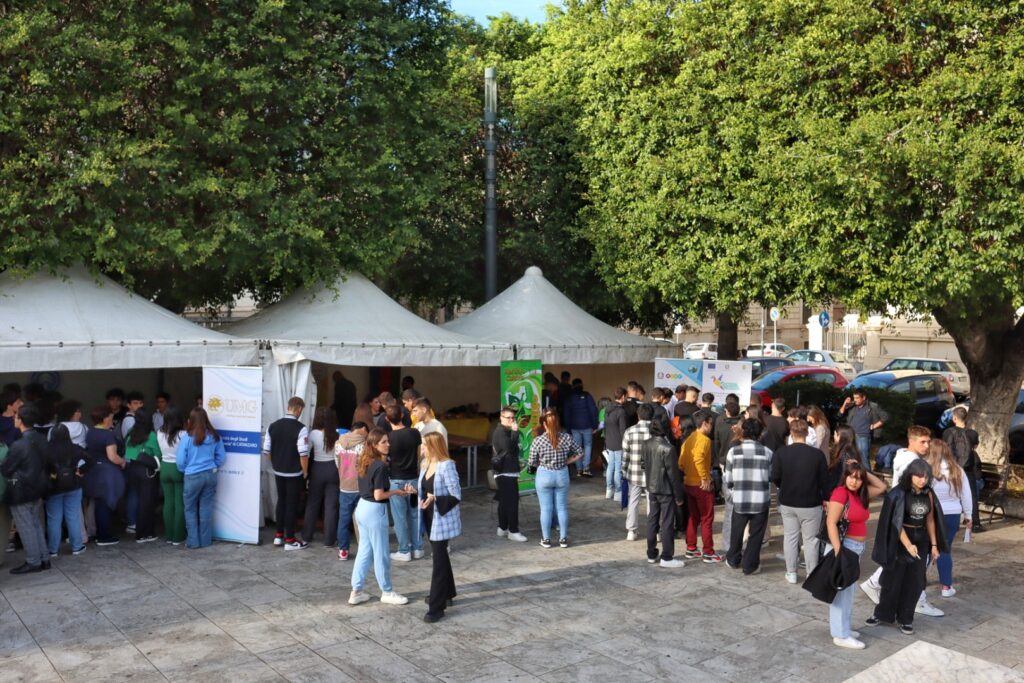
{"x":199,"y":150}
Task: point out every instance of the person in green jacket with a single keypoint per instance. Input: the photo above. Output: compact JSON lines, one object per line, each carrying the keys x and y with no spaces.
{"x":142,"y":453}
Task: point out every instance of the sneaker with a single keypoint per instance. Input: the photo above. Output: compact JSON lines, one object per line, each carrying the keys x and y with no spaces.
{"x":343,"y":555}
{"x":278,"y":539}
{"x":874,"y":592}
{"x":672,"y":564}
{"x":617,"y":497}
{"x":854,"y":634}
{"x":872,"y":621}
{"x":756,"y":571}
{"x":730,"y":565}
{"x":401,"y":557}
{"x":691,"y":553}
{"x":109,"y":541}
{"x":516,"y":536}
{"x":393,"y":598}
{"x":711,"y":558}
{"x":296,"y":544}
{"x":801,"y":563}
{"x":79,"y":551}
{"x":586,"y":473}
{"x":651,"y":560}
{"x":926,"y":608}
{"x":630,"y":535}
{"x":948,"y":591}
{"x":906,"y":629}
{"x":502,"y":533}
{"x":145,"y":539}
{"x":357,"y":597}
{"x":10,"y":547}
{"x":417,"y":554}
{"x":545,"y":543}
{"x":130,"y":528}
{"x":609,"y":493}
{"x":563,"y":543}
{"x":54,"y":554}
{"x":850,"y":643}
{"x":791,"y":577}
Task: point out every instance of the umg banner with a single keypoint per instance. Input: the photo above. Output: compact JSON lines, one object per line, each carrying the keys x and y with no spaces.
{"x":233,"y":399}
{"x":521,"y":386}
{"x":720,"y":378}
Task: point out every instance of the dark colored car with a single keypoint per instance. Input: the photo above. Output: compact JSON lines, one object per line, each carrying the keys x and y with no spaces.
{"x":794,"y":373}
{"x":930,"y":391}
{"x":759,"y":366}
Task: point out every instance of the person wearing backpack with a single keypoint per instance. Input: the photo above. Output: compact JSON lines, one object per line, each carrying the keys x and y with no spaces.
{"x":64,"y":459}
{"x":26,"y":483}
{"x":142,"y":455}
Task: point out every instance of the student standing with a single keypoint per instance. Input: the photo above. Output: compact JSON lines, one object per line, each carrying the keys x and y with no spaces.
{"x":551,"y":453}
{"x":664,"y":492}
{"x":505,"y":463}
{"x":952,"y":487}
{"x":64,"y":500}
{"x":405,"y":469}
{"x":346,"y":458}
{"x":615,"y":424}
{"x":747,"y":471}
{"x":439,"y":495}
{"x":323,"y":479}
{"x":172,"y":481}
{"x":287,"y":445}
{"x":142,"y":454}
{"x":26,"y":482}
{"x":580,"y":413}
{"x":200,"y":454}
{"x":695,"y":463}
{"x":104,"y":482}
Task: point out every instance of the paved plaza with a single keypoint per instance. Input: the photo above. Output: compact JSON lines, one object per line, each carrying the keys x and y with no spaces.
{"x":594,"y":611}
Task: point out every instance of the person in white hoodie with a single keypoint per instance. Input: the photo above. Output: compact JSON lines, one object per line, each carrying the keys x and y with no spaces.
{"x":919,"y":440}
{"x":953,"y":489}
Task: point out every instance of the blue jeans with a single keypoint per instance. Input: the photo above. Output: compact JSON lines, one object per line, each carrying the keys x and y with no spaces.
{"x":372,"y":519}
{"x":945,"y":562}
{"x":613,"y":472}
{"x":864,"y":446}
{"x":66,"y":507}
{"x":841,"y":610}
{"x":585,"y":439}
{"x":198,"y":495}
{"x":346,"y":507}
{"x":407,"y":518}
{"x":552,"y":494}
{"x":131,"y":505}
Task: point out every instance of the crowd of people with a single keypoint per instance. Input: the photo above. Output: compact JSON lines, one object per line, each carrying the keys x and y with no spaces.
{"x":390,"y":465}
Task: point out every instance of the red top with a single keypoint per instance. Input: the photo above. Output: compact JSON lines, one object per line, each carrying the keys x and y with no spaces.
{"x":856,"y":513}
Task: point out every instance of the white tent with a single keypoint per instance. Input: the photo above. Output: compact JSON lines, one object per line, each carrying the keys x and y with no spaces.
{"x":543,"y":323}
{"x":75,"y":321}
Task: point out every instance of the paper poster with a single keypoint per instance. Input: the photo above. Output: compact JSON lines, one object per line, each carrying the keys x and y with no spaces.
{"x":720,"y":378}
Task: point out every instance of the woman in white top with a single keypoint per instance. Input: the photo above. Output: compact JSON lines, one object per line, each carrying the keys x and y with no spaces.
{"x":951,"y":487}
{"x":172,"y":481}
{"x":323,"y":478}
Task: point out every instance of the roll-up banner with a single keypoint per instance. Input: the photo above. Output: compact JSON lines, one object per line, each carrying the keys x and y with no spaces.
{"x":720,"y":378}
{"x":522,"y":382}
{"x":233,"y":397}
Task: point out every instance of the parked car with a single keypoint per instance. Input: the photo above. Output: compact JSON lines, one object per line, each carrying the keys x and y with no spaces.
{"x":1016,"y":422}
{"x":827,"y":359}
{"x":793,"y":373}
{"x":953,"y":371}
{"x":930,"y":391}
{"x":701,"y":351}
{"x":759,"y":366}
{"x":768,"y":350}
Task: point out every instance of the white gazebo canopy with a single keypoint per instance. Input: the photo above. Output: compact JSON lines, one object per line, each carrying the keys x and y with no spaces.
{"x":77,"y":321}
{"x":543,"y":323}
{"x":355,"y":323}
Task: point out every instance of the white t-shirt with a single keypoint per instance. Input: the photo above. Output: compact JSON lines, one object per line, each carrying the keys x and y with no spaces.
{"x":316,"y":441}
{"x":169,"y":453}
{"x":951,"y":503}
{"x":812,"y":439}
{"x":433,"y":426}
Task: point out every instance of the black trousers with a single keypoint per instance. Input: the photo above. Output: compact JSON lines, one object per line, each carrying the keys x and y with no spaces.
{"x":903,"y":581}
{"x":508,"y":503}
{"x":751,"y":556}
{"x":661,"y":513}
{"x":323,"y":491}
{"x":288,"y":490}
{"x":976,"y":498}
{"x":145,"y":488}
{"x":442,"y":581}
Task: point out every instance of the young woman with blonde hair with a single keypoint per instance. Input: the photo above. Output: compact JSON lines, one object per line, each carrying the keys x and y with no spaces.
{"x":953,"y":489}
{"x":439,"y":493}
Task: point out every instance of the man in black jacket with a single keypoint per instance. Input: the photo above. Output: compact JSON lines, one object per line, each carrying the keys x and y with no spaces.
{"x":665,"y":491}
{"x":26,"y":484}
{"x":505,"y":463}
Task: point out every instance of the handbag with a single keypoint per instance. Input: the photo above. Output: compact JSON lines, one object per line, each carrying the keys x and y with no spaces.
{"x":843,"y":525}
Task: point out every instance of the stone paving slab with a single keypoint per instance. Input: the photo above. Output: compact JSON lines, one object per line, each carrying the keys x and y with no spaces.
{"x":594,"y":611}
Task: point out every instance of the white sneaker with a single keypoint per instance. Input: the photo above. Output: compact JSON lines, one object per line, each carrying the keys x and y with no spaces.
{"x":617,"y":497}
{"x":854,"y":634}
{"x":873,"y":592}
{"x":393,"y":598}
{"x":948,"y":591}
{"x":631,"y":536}
{"x":517,"y":537}
{"x":417,"y":554}
{"x":357,"y":597}
{"x":609,"y":493}
{"x":926,"y":608}
{"x":849,"y":643}
{"x":401,"y":557}
{"x":791,"y":577}
{"x":502,"y":533}
{"x":278,"y":540}
{"x":673,"y":563}
{"x":296,"y":545}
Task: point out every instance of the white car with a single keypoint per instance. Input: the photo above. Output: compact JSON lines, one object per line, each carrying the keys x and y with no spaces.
{"x":827,"y":359}
{"x":768,"y":350}
{"x":952,"y":370}
{"x":701,"y":351}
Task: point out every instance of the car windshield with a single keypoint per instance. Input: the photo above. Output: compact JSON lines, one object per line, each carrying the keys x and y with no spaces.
{"x":694,"y":347}
{"x":955,"y":367}
{"x":839,"y":357}
{"x":902,"y":364}
{"x":767,"y":379}
{"x":870,"y":381}
{"x":754,"y":347}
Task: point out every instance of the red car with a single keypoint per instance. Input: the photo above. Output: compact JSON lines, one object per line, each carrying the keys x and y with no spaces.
{"x":791,"y":374}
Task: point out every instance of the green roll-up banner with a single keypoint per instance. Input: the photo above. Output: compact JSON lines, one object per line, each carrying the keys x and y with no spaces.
{"x":522,"y":382}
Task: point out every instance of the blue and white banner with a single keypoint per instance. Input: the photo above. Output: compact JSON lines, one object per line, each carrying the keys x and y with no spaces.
{"x":233,"y":397}
{"x":720,"y":378}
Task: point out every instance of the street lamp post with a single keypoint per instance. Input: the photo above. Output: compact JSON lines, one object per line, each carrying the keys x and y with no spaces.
{"x":491,"y":180}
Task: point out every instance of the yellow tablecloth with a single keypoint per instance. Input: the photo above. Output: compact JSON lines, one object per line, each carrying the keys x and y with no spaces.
{"x":478,"y":428}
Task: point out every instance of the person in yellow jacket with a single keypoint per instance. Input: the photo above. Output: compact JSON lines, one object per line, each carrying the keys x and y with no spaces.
{"x":695,"y":462}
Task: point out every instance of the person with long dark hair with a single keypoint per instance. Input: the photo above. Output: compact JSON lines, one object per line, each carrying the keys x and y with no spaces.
{"x":849,"y":501}
{"x":64,"y":459}
{"x":952,"y":487}
{"x":551,"y":453}
{"x":323,"y":478}
{"x":142,"y":453}
{"x":844,"y":449}
{"x":172,"y":481}
{"x":439,"y":495}
{"x":200,"y":454}
{"x":104,"y":482}
{"x":910,"y":529}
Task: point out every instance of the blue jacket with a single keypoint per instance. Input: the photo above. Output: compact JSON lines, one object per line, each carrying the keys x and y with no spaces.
{"x":446,"y":483}
{"x":580,"y":411}
{"x":194,"y":459}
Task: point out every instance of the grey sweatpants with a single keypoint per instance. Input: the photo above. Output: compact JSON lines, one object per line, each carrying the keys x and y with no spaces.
{"x":28,"y":517}
{"x":633,"y":508}
{"x":800,"y":527}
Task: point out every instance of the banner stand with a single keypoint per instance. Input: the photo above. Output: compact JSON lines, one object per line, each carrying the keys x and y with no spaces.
{"x":522,"y":382}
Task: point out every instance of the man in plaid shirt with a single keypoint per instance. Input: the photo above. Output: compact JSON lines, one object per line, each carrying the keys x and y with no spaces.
{"x":747,"y":471}
{"x":632,"y":467}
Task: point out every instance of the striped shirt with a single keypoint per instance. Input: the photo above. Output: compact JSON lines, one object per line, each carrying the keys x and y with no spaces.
{"x":632,"y":442}
{"x":747,"y":472}
{"x":542,"y":454}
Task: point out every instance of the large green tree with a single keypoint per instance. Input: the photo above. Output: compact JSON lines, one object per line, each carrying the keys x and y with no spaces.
{"x":197,"y":150}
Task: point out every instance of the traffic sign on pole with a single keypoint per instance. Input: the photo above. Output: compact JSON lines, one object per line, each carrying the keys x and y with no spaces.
{"x":773,"y":313}
{"x":824,"y":319}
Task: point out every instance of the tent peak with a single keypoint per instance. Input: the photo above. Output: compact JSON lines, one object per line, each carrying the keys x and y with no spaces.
{"x":534,"y":271}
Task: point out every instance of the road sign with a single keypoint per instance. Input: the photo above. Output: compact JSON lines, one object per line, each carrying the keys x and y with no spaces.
{"x":773,"y":313}
{"x":824,"y":319}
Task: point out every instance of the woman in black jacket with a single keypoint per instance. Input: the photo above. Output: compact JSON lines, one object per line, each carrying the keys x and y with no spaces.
{"x":910,"y":529}
{"x":64,"y":500}
{"x":505,"y":463}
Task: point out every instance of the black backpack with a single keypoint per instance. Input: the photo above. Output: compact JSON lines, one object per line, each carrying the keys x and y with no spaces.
{"x":64,"y":472}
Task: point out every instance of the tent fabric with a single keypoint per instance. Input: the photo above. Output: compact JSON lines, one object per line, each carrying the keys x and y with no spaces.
{"x":77,"y":321}
{"x":545,"y":324}
{"x":355,"y":323}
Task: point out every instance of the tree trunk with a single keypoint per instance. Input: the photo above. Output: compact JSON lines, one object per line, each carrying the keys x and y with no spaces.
{"x":991,"y":346}
{"x":728,"y":336}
